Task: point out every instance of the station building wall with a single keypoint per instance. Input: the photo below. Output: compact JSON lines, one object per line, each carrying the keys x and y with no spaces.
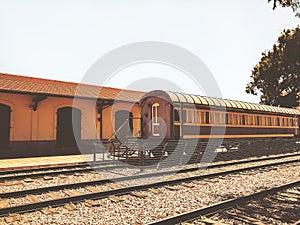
{"x":34,"y":133}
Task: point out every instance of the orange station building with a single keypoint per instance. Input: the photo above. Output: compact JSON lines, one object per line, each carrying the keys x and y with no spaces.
{"x":36,"y":115}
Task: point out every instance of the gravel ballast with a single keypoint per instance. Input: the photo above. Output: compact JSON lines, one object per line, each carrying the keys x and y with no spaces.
{"x":150,"y":205}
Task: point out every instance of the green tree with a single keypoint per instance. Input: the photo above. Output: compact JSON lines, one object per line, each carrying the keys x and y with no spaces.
{"x":294,"y":4}
{"x":277,"y":75}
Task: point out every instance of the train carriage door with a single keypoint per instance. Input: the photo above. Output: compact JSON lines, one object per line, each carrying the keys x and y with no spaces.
{"x":154,"y":120}
{"x":177,"y":122}
{"x":123,"y":124}
{"x":68,"y":127}
{"x":4,"y":126}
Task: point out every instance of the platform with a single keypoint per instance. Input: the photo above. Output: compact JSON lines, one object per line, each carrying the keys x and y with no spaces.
{"x":51,"y":161}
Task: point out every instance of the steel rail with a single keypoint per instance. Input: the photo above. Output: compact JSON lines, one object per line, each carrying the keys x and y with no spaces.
{"x":133,"y":177}
{"x":100,"y":167}
{"x":58,"y":167}
{"x":119,"y":191}
{"x":54,"y":173}
{"x":227,"y":204}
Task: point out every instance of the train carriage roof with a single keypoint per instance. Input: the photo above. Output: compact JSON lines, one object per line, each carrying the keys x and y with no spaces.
{"x":176,"y":97}
{"x":202,"y":100}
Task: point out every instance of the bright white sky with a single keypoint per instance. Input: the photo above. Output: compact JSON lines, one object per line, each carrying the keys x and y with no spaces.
{"x":61,"y":39}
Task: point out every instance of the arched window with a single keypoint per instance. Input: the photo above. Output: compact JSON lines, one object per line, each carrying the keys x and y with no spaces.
{"x":154,"y":118}
{"x":68,"y":127}
{"x":4,"y":126}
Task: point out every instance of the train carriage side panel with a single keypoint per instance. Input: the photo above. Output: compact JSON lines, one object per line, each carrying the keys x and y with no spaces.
{"x":156,"y":117}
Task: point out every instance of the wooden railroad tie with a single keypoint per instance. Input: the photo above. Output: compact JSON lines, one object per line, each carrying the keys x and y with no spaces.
{"x":91,"y":203}
{"x":114,"y":198}
{"x":114,"y":186}
{"x":210,"y":221}
{"x":12,"y":218}
{"x":28,"y":180}
{"x":49,"y":211}
{"x":92,"y":189}
{"x":32,"y":199}
{"x":155,"y":191}
{"x":4,"y":203}
{"x":54,"y":195}
{"x":11,"y":183}
{"x":70,"y":207}
{"x":172,"y":188}
{"x":47,"y":178}
{"x":139,"y":194}
{"x":71,"y":193}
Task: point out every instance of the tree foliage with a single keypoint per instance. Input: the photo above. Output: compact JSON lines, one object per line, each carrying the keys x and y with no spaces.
{"x":277,"y":75}
{"x":294,"y":4}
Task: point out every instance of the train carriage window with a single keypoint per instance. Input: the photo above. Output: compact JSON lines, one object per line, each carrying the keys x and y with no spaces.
{"x":286,"y":122}
{"x":177,"y":115}
{"x":257,"y":120}
{"x":243,"y":119}
{"x":207,"y":117}
{"x":155,"y":122}
{"x":278,"y":121}
{"x":273,"y":121}
{"x":282,"y":122}
{"x":222,"y":118}
{"x":236,"y":119}
{"x":198,"y":116}
{"x":226,"y":118}
{"x":263,"y":121}
{"x":233,"y":118}
{"x":192,"y":116}
{"x":216,"y":118}
{"x":202,"y":117}
{"x":230,"y":118}
{"x":250,"y":120}
{"x":189,"y":116}
{"x":270,"y":121}
{"x":185,"y":115}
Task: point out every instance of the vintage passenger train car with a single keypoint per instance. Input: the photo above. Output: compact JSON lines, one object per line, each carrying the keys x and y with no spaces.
{"x":170,"y":115}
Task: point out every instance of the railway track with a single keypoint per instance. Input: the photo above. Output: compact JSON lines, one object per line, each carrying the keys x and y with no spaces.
{"x":109,"y":165}
{"x":71,"y":195}
{"x":69,"y":170}
{"x":238,"y":205}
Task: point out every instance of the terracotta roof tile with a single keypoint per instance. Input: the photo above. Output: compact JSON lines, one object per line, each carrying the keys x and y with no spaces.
{"x":32,"y":85}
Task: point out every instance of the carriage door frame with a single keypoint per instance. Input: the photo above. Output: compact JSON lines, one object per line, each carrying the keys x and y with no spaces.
{"x":154,"y":119}
{"x":66,"y":133}
{"x":5,"y":117}
{"x":177,"y":121}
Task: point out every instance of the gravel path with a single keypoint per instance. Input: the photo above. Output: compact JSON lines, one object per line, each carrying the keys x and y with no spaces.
{"x":150,"y":205}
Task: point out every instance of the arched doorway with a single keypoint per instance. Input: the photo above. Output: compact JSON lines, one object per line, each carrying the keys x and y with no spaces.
{"x":123,"y":124}
{"x":68,"y":127}
{"x":4,"y":126}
